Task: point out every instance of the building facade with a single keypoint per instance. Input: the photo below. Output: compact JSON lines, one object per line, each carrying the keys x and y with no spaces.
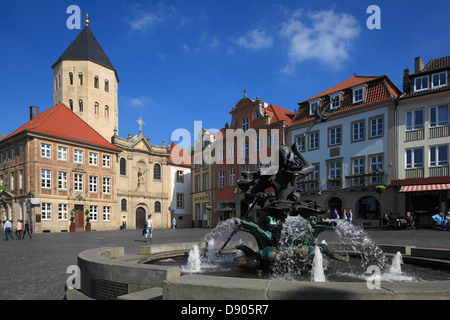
{"x":351,"y":152}
{"x":422,"y":144}
{"x":249,"y":143}
{"x":59,"y":174}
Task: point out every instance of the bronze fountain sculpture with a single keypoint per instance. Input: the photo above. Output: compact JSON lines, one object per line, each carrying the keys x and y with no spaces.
{"x":275,"y":207}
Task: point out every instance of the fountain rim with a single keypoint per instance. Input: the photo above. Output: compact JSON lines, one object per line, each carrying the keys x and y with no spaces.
{"x":174,"y":286}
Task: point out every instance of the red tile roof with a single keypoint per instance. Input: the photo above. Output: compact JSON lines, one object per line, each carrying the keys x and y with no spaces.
{"x":59,"y":121}
{"x":379,"y":88}
{"x":179,"y":156}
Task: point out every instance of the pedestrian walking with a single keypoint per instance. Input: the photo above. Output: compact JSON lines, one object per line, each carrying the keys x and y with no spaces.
{"x":7,"y":227}
{"x":26,"y":230}
{"x":149,"y":226}
{"x":174,"y":223}
{"x":19,"y":230}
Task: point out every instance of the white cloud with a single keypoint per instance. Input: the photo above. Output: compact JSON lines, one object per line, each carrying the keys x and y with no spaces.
{"x":255,"y":40}
{"x":145,"y":19}
{"x":142,"y":102}
{"x":210,"y":41}
{"x":327,"y":37}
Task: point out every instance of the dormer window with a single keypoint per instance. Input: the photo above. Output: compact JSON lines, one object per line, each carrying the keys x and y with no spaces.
{"x":313,"y":105}
{"x":358,"y":94}
{"x":335,"y":100}
{"x":439,"y":80}
{"x":421,"y":83}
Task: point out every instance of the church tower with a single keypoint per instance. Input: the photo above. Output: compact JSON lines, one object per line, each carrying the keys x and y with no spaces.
{"x":86,"y":82}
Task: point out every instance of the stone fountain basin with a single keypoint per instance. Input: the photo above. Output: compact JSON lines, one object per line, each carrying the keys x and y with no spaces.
{"x":109,"y":273}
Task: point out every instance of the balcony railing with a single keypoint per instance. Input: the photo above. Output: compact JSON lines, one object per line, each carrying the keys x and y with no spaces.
{"x":365,"y":180}
{"x":309,"y":186}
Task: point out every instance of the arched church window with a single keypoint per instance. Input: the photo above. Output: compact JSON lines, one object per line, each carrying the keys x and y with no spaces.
{"x":123,"y":167}
{"x":96,"y":108}
{"x":106,"y":111}
{"x":157,"y":172}
{"x":80,"y":77}
{"x":106,"y":86}
{"x":71,"y":78}
{"x":80,"y":105}
{"x":123,"y":205}
{"x":157,"y":206}
{"x":96,"y":82}
{"x":71,"y":104}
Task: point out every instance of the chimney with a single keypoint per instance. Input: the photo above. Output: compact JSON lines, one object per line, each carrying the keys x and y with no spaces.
{"x":406,"y":81}
{"x":418,"y":64}
{"x":34,"y":111}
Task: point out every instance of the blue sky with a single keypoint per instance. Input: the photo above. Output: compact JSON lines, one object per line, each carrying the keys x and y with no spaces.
{"x":181,"y":61}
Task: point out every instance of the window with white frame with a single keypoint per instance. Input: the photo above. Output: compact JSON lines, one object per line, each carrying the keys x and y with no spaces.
{"x":376,"y":127}
{"x":439,"y":80}
{"x":244,"y":124}
{"x":106,"y":185}
{"x":93,"y":213}
{"x":376,"y":163}
{"x":46,"y":150}
{"x":313,"y":105}
{"x":221,"y":178}
{"x":197,"y":183}
{"x":106,"y":161}
{"x":335,"y":101}
{"x":314,"y":140}
{"x":46,"y":178}
{"x":439,"y":116}
{"x":93,"y":182}
{"x":62,"y":211}
{"x":301,"y":143}
{"x":414,"y":158}
{"x":46,"y":211}
{"x":205,"y":181}
{"x":335,"y":170}
{"x":93,"y":158}
{"x":179,"y":176}
{"x":78,"y":182}
{"x":358,"y":94}
{"x":359,"y":166}
{"x":106,"y":213}
{"x":439,"y":156}
{"x":421,"y":83}
{"x":358,"y":131}
{"x":62,"y":153}
{"x":231,"y":176}
{"x":414,"y":120}
{"x":334,"y":136}
{"x":78,"y":156}
{"x":62,"y":180}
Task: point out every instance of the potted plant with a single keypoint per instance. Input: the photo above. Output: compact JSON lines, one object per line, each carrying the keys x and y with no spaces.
{"x":88,"y":219}
{"x":380,"y":189}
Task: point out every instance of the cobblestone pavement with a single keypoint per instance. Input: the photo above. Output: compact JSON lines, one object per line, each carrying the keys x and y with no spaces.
{"x":36,"y":269}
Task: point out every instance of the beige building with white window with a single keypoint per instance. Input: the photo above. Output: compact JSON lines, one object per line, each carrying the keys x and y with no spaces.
{"x":423,"y":140}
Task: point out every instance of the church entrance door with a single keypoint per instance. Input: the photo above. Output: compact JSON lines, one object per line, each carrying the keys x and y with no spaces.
{"x":140,"y":218}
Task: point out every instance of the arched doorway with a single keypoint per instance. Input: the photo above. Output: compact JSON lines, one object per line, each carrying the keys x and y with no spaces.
{"x":335,"y":203}
{"x":367,"y":208}
{"x":140,"y":218}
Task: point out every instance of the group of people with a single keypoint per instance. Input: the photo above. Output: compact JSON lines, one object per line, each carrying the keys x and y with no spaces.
{"x":442,"y":220}
{"x":346,"y":215}
{"x":19,"y":228}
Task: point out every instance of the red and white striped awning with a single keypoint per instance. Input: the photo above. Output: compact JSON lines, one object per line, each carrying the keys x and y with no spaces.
{"x":426,"y":187}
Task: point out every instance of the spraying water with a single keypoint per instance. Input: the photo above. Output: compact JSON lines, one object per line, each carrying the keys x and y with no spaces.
{"x":317,"y":273}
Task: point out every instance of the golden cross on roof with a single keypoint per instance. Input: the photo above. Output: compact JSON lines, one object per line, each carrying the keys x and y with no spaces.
{"x":140,"y":124}
{"x":86,"y":22}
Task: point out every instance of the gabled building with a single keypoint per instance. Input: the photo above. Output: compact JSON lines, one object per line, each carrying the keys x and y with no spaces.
{"x":422,"y":143}
{"x":262,"y":127}
{"x":352,"y":152}
{"x":61,"y":173}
